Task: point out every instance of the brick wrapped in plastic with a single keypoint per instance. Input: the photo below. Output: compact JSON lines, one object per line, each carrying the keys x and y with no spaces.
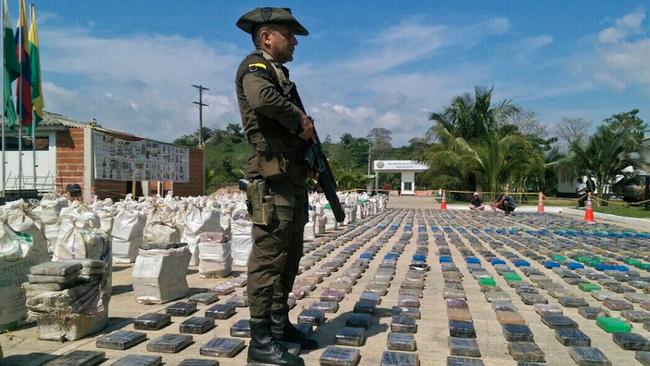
{"x":392,"y":358}
{"x":241,"y":328}
{"x":183,"y":308}
{"x":222,"y":347}
{"x":169,"y":343}
{"x":220,"y":311}
{"x":339,"y":356}
{"x":159,"y":275}
{"x":589,"y":356}
{"x":81,"y":358}
{"x":139,"y":360}
{"x":467,"y":347}
{"x":350,"y":336}
{"x":152,"y":321}
{"x":121,"y":340}
{"x":196,"y":325}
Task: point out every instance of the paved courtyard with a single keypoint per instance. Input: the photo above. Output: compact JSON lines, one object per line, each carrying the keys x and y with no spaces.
{"x":410,"y":228}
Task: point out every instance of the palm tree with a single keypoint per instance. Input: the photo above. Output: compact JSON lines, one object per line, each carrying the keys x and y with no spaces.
{"x":602,"y":158}
{"x":474,"y":117}
{"x":472,"y":125}
{"x":494,"y":161}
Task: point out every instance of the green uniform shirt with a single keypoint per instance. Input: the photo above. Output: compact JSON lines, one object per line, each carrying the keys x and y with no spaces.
{"x":270,"y":120}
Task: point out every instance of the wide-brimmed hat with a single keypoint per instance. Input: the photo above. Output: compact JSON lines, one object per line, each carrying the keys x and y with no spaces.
{"x":476,"y":193}
{"x":266,"y":15}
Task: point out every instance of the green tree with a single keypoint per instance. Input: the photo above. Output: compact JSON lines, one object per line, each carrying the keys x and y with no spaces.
{"x":192,"y":140}
{"x":604,"y":156}
{"x":470,"y":135}
{"x":380,"y":141}
{"x":495,"y":161}
{"x":629,"y":121}
{"x":473,"y":117}
{"x":234,"y":131}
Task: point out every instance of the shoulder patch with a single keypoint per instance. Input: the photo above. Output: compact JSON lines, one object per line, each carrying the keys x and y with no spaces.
{"x":255,"y":66}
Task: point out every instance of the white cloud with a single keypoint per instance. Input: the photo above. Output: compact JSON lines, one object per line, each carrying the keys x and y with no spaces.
{"x":625,"y":26}
{"x":357,"y":114}
{"x":534,"y":43}
{"x":144,"y":80}
{"x":623,"y":52}
{"x":414,"y":41}
{"x":141,"y":83}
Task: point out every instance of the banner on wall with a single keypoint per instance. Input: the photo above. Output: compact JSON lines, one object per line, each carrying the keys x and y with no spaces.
{"x":118,"y":159}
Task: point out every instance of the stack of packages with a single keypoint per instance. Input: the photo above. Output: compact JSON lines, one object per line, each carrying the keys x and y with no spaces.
{"x":241,"y":228}
{"x":160,"y":272}
{"x":104,"y":210}
{"x":79,"y":235}
{"x":18,"y":252}
{"x":48,"y":210}
{"x":21,"y":218}
{"x":214,"y":254}
{"x":181,"y":208}
{"x":127,"y":234}
{"x":68,"y":298}
{"x":309,"y":232}
{"x":160,"y":226}
{"x":350,"y":208}
{"x":320,"y":220}
{"x":359,"y":211}
{"x":197,"y":221}
{"x":227,"y":205}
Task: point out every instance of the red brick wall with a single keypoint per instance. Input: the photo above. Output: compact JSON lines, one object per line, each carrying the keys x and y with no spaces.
{"x":195,"y":186}
{"x":114,"y":189}
{"x":69,"y":157}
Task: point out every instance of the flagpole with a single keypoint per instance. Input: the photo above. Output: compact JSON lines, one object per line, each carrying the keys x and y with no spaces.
{"x":20,"y":107}
{"x":31,"y":14}
{"x":3,"y":99}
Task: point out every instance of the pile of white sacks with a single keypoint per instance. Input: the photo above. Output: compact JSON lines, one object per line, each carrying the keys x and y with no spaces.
{"x":216,"y":228}
{"x":23,"y":245}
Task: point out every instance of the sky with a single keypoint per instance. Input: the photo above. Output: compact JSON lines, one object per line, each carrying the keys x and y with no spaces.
{"x":365,"y":64}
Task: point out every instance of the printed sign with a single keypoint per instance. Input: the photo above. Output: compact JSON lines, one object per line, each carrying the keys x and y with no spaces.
{"x":398,"y":165}
{"x":118,"y":159}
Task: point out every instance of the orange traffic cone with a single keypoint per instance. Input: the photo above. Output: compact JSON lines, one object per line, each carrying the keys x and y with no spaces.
{"x":443,"y":203}
{"x":540,"y":203}
{"x":589,"y":210}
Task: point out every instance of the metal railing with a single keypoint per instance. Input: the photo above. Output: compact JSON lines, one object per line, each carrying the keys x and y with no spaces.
{"x":44,"y":184}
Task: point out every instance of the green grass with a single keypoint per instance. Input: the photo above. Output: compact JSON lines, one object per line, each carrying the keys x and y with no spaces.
{"x":620,"y":210}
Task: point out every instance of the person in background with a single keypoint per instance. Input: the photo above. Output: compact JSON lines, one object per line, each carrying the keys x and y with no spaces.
{"x":73,"y":191}
{"x":475,"y":203}
{"x":581,"y":192}
{"x":504,"y":202}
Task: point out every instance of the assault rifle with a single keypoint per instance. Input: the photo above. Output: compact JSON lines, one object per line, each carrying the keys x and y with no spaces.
{"x":317,"y":161}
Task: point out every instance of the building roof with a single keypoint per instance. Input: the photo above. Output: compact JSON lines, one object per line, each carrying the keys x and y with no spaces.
{"x":51,"y":119}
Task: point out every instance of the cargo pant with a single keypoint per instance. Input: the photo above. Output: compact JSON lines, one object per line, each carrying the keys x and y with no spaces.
{"x":277,"y":249}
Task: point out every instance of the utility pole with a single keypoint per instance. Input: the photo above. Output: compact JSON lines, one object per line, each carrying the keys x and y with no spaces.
{"x":200,"y":103}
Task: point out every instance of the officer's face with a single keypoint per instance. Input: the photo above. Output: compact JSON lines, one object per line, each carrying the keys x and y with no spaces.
{"x":281,"y":43}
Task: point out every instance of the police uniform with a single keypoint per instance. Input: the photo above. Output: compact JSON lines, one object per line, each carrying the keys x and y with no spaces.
{"x":276,"y":194}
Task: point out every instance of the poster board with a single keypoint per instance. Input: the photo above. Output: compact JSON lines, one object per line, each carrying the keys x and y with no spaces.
{"x":118,"y":159}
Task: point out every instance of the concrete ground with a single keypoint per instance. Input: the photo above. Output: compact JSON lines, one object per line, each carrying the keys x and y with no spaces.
{"x":21,"y":347}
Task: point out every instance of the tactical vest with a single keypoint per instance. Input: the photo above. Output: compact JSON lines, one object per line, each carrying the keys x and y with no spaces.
{"x":266,"y":135}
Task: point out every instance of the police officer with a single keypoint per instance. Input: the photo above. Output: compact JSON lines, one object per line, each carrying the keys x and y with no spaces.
{"x":278,"y":131}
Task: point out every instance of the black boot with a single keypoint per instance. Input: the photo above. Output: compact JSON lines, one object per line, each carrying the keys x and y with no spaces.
{"x":264,"y":349}
{"x":283,"y":330}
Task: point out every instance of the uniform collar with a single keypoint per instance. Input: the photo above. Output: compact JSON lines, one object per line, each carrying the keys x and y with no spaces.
{"x":267,"y":57}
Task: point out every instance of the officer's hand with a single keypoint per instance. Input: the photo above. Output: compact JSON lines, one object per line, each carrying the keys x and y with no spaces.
{"x":307,"y":125}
